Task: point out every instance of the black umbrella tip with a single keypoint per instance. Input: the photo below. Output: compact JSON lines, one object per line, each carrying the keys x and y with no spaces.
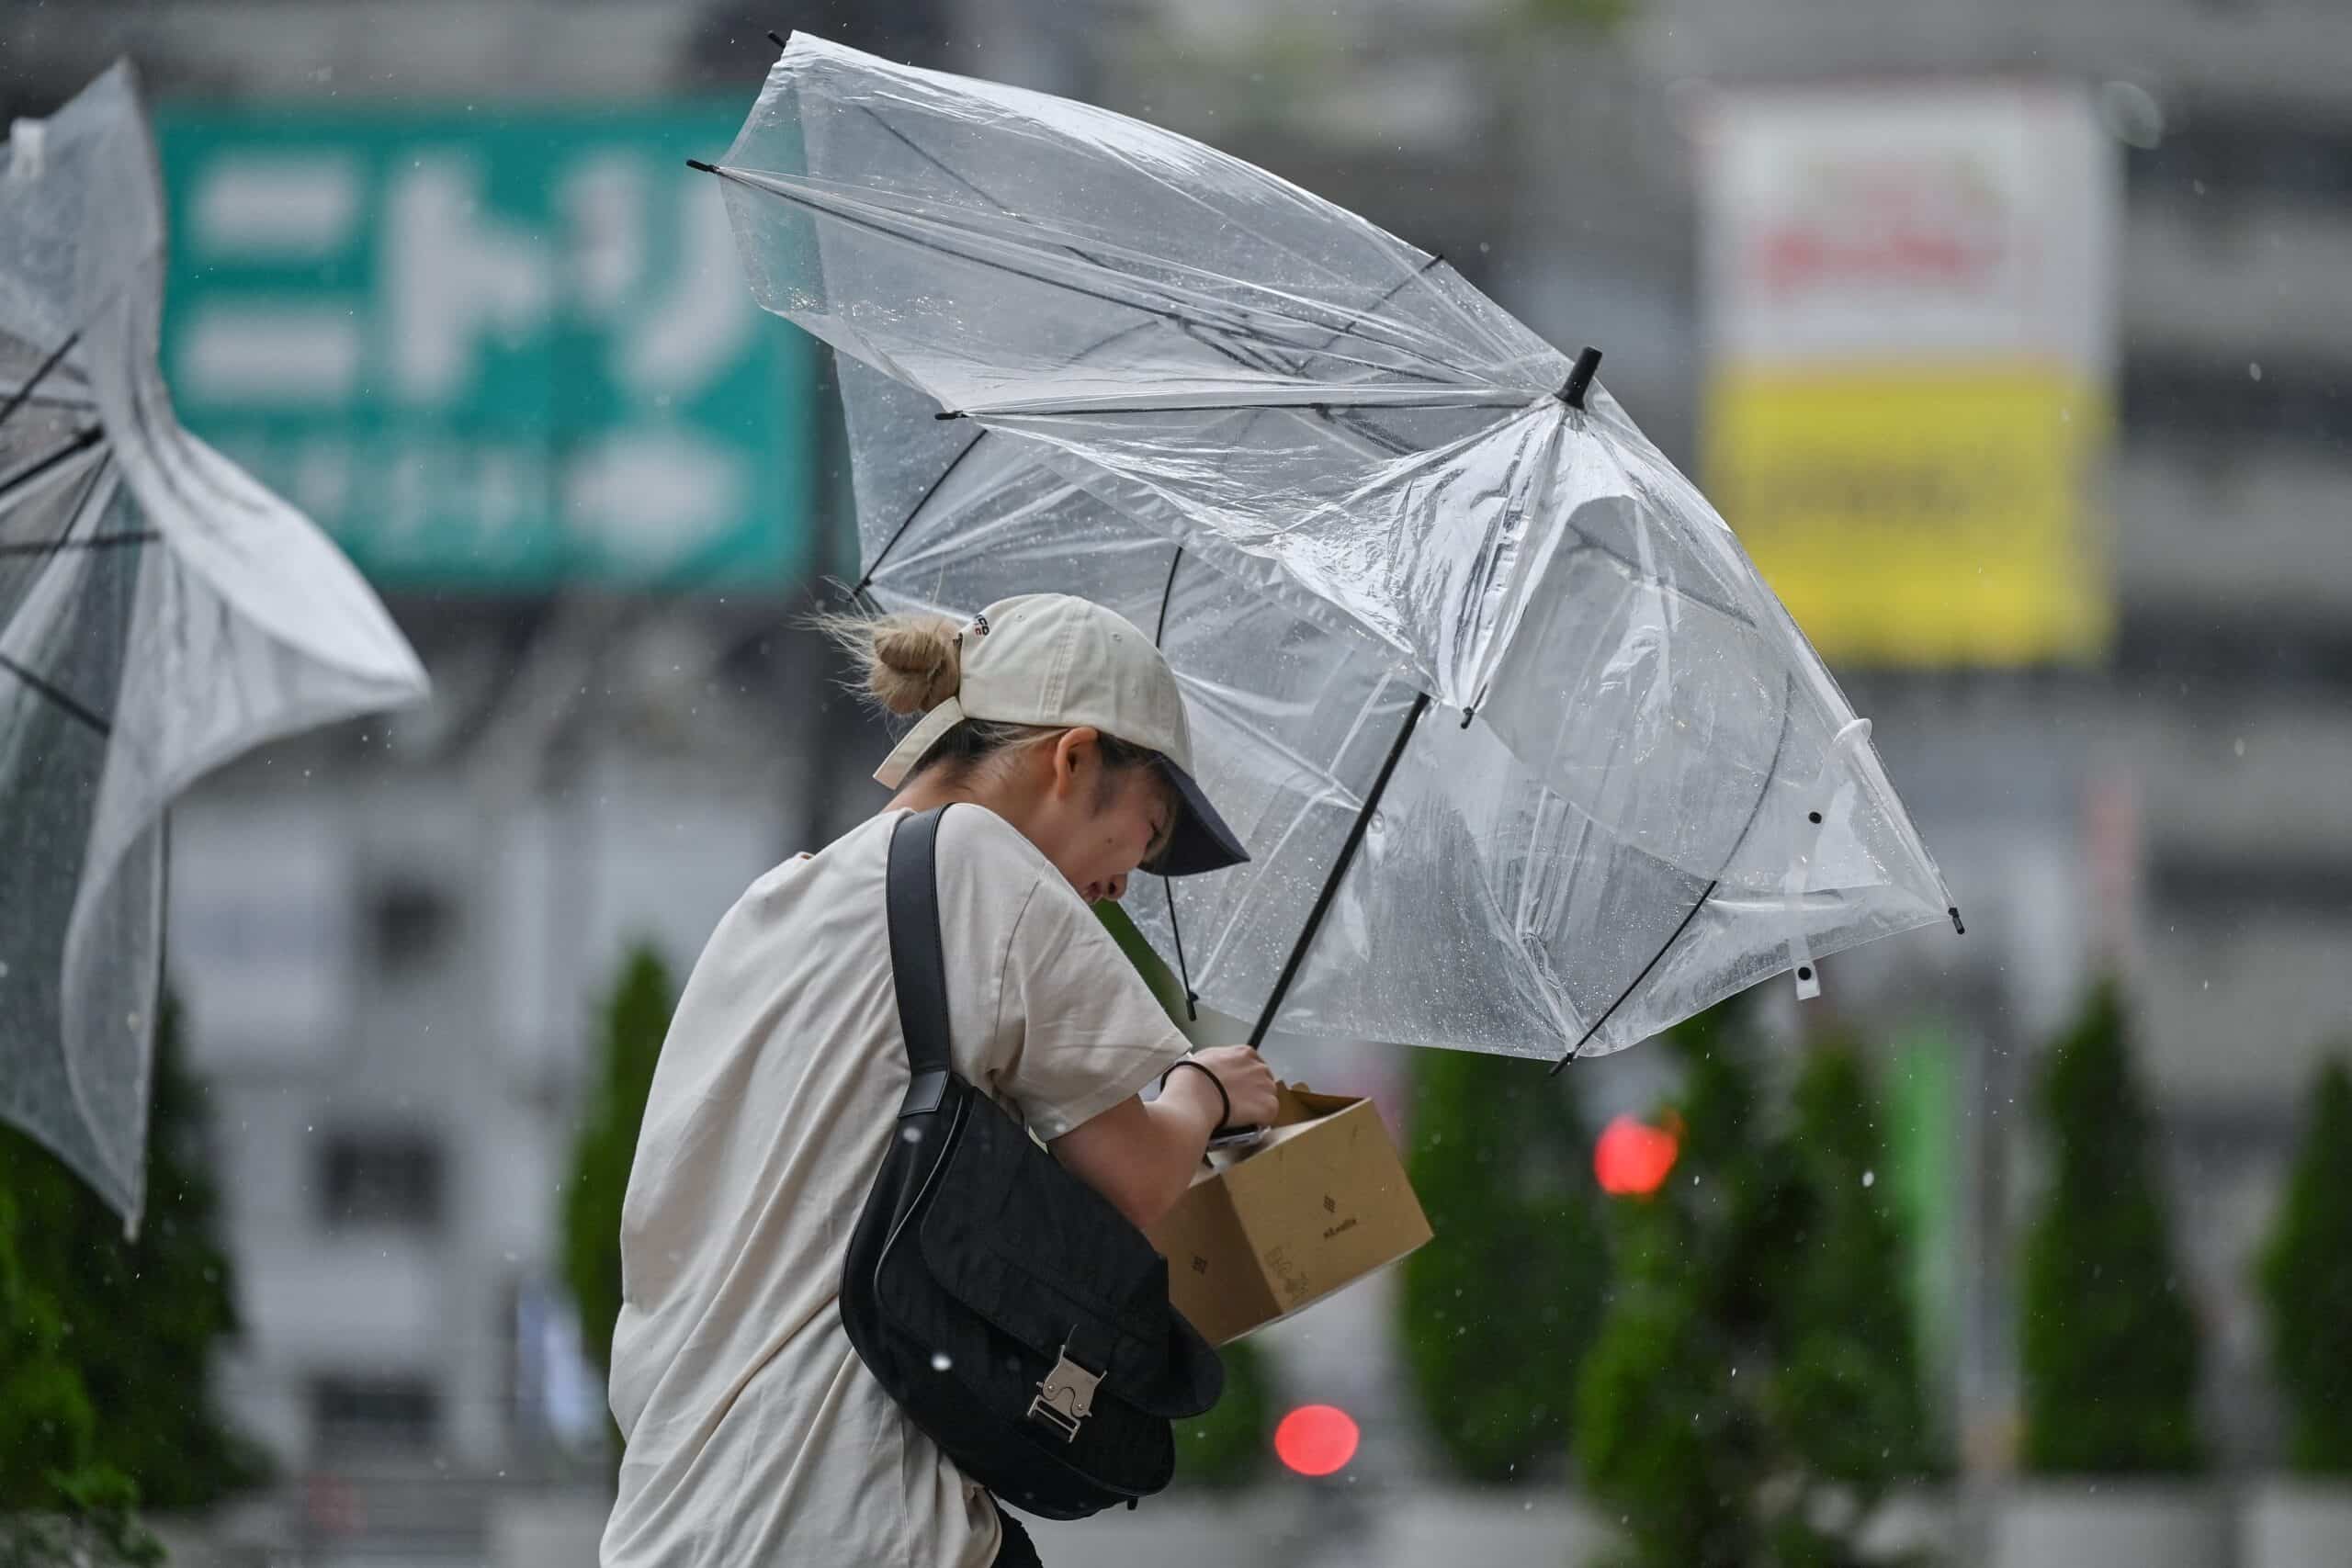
{"x":777,"y":38}
{"x":1579,"y":380}
{"x":701,"y":167}
{"x":1957,"y":926}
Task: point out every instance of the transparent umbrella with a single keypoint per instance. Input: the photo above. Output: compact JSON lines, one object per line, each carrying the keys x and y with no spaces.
{"x":1529,"y":758}
{"x":160,"y":613}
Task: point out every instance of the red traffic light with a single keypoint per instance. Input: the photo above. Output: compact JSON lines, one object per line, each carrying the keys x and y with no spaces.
{"x":1633,"y":1158}
{"x":1316,"y":1440}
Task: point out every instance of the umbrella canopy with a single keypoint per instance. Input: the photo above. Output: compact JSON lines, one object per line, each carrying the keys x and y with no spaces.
{"x":1343,"y":489}
{"x":160,"y":613}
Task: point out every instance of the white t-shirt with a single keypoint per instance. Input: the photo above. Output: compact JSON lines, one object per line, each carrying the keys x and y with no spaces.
{"x":756,"y":1438}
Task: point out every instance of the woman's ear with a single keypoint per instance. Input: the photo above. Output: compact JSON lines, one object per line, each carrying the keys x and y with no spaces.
{"x":1073,"y":753}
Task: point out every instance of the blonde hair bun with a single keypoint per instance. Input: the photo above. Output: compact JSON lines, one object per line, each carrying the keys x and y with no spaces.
{"x":910,"y":663}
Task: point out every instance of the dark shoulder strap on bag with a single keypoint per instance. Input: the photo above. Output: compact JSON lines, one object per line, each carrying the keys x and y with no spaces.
{"x":918,"y":964}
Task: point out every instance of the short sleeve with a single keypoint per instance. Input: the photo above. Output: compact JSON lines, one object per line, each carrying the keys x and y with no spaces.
{"x":1048,"y":1015}
{"x":1085,"y":1029}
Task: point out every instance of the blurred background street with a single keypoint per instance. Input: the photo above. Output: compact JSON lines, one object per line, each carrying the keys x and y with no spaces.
{"x":2011,"y":338}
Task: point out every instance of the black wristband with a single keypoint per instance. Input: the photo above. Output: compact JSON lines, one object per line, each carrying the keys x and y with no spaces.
{"x":1225,"y":1101}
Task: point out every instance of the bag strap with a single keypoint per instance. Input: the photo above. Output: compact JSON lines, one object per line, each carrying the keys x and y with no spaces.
{"x":918,"y":964}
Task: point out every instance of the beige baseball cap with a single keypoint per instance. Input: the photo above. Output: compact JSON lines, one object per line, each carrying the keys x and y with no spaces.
{"x":1058,"y":661}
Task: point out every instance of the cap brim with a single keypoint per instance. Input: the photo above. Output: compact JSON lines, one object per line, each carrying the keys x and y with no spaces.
{"x":1201,"y":839}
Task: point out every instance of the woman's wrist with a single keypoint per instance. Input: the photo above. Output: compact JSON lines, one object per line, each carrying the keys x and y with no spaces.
{"x":1224,"y":1102}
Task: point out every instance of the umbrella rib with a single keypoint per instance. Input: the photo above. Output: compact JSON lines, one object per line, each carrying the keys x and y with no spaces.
{"x":1370,"y":436}
{"x":968,"y":183}
{"x":841,"y":210}
{"x":65,"y":700}
{"x":1339,"y":870}
{"x":1167,"y":591}
{"x":40,"y":467}
{"x":44,"y":548}
{"x":1357,"y":423}
{"x":916,"y":510}
{"x":1779,"y":747}
{"x":747,"y":177}
{"x":23,"y":394}
{"x":95,"y":542}
{"x":1645,"y":974}
{"x":1315,"y":398}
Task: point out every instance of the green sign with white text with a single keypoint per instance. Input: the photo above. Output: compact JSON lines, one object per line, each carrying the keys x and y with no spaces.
{"x":502,"y":353}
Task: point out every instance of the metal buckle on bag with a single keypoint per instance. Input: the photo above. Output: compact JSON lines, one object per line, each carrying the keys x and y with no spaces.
{"x":1066,"y":1397}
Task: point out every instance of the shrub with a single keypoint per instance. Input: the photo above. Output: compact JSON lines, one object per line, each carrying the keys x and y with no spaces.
{"x":59,"y":1508}
{"x":636,"y":1019}
{"x":2305,"y":1280}
{"x":1847,"y":1400}
{"x":141,"y":1317}
{"x":1498,"y":1310}
{"x":1227,"y":1447}
{"x":1670,"y":1436}
{"x":2107,"y":1348}
{"x":1754,"y":1391}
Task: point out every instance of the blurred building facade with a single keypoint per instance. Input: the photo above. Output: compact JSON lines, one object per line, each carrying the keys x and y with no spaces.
{"x":396,"y":1011}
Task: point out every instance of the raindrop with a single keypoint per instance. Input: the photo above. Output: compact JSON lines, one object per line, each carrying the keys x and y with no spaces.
{"x":1870,"y":1179}
{"x":3,"y":971}
{"x":2254,"y":371}
{"x":2239,"y":746}
{"x":941,"y":1360}
{"x":911,"y":1134}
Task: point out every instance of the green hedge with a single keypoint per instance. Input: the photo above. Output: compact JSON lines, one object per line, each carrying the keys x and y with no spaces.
{"x":636,"y":1019}
{"x":1227,"y":1447}
{"x":106,"y":1343}
{"x":1848,"y":1395}
{"x":1754,"y":1389}
{"x":2108,"y":1347}
{"x":2305,"y":1280}
{"x":1498,"y":1309}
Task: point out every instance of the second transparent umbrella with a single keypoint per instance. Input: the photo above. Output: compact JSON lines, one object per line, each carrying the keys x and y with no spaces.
{"x":1528,"y":757}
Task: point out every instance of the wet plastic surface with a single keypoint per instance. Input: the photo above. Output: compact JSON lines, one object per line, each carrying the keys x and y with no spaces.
{"x":1081,"y":354}
{"x":160,"y":611}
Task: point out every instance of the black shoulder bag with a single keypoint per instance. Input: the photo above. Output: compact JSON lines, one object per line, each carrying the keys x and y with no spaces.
{"x":1016,"y":1317}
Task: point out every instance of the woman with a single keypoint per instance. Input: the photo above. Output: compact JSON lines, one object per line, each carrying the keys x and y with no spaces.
{"x":755,"y":1436}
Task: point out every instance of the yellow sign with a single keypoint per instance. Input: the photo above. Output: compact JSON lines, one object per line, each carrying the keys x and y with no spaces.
{"x":1928,"y":516}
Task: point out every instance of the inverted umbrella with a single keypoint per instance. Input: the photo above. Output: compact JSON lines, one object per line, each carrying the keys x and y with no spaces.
{"x":160,"y":611}
{"x":1341,"y":488}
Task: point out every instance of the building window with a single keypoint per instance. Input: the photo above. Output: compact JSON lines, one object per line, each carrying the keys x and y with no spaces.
{"x":376,"y":1177}
{"x":374,"y":1415}
{"x":409,"y":922}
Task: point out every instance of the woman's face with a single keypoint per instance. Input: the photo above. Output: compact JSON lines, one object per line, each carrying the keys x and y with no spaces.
{"x":1097,"y":825}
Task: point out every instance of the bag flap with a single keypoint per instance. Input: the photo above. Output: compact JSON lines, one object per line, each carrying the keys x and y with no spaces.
{"x":1036,"y":1251}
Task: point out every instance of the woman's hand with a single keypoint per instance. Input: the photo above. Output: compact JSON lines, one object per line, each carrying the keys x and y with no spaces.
{"x":1249,"y":1083}
{"x":1142,"y":1156}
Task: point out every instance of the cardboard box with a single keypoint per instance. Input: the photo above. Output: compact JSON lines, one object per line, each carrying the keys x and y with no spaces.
{"x":1318,"y":1202}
